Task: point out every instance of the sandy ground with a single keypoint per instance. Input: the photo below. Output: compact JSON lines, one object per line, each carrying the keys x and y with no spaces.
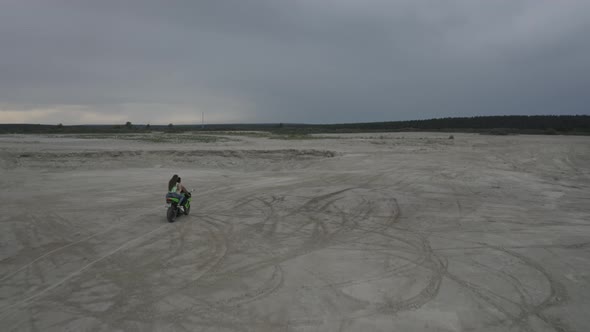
{"x":365,"y":232}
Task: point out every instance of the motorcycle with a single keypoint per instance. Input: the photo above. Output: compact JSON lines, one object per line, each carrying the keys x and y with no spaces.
{"x":174,"y":209}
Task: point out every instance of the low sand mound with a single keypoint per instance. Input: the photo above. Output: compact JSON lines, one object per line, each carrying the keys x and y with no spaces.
{"x":161,"y":158}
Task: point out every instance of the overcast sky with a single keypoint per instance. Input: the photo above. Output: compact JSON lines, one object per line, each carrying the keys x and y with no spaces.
{"x":311,"y":61}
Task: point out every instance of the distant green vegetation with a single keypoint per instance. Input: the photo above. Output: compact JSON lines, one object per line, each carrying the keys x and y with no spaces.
{"x":494,"y":125}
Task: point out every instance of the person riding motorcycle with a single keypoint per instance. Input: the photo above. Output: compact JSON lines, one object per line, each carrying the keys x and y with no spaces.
{"x":177,"y":189}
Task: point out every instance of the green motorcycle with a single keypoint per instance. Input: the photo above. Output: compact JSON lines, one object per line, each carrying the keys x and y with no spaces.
{"x":173,"y":206}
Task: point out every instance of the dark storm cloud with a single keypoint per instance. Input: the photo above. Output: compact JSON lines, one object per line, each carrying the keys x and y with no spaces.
{"x":291,"y":61}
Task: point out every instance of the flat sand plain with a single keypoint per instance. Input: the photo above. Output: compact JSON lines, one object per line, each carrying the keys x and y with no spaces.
{"x":356,"y":232}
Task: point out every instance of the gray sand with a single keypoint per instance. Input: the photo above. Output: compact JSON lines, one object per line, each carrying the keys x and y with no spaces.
{"x":364,"y":232}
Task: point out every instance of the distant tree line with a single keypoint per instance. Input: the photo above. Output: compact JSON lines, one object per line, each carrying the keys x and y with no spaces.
{"x":536,"y":124}
{"x":501,"y":125}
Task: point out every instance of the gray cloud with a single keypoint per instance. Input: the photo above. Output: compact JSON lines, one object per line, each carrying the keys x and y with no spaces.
{"x":291,"y":61}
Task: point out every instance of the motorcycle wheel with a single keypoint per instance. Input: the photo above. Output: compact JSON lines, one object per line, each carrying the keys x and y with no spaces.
{"x":171,"y":214}
{"x":187,"y":210}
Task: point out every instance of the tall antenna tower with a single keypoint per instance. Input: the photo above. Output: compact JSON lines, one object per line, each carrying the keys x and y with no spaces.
{"x":202,"y":120}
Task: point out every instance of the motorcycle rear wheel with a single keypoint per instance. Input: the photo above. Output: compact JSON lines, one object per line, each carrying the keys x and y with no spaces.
{"x":171,"y":214}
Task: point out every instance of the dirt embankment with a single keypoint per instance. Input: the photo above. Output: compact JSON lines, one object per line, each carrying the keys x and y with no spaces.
{"x":160,"y":158}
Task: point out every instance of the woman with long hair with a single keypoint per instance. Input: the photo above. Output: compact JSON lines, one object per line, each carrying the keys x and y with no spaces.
{"x":174,"y":186}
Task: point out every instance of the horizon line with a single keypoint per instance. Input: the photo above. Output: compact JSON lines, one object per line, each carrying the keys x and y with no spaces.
{"x":290,"y":123}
